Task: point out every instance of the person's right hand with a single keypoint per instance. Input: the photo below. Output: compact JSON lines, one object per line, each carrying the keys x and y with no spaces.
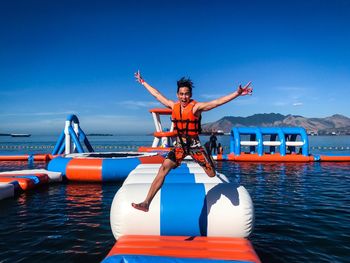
{"x":246,"y":90}
{"x":138,"y":77}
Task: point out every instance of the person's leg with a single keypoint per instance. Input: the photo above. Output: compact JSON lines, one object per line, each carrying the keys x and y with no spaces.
{"x":204,"y":160}
{"x":214,"y":148}
{"x":157,"y":183}
{"x":209,"y":170}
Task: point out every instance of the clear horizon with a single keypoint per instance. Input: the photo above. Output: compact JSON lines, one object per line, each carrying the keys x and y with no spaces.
{"x":62,"y":57}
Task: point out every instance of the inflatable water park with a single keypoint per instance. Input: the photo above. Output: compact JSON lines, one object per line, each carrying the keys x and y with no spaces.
{"x":193,"y":218}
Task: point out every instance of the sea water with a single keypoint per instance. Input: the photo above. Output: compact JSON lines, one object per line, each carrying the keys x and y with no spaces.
{"x":301,"y":209}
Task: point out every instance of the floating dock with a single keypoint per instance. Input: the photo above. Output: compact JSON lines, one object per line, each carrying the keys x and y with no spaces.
{"x":16,"y":182}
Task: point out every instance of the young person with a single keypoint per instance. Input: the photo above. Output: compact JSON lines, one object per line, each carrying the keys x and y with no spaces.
{"x":213,"y":145}
{"x":186,"y":115}
{"x":220,"y":149}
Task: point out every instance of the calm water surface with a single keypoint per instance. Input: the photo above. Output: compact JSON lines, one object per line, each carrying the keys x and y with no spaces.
{"x":302,"y":210}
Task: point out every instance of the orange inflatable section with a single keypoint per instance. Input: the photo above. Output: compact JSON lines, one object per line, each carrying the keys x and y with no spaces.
{"x":269,"y":158}
{"x":328,"y":158}
{"x":153,"y":149}
{"x":25,"y":157}
{"x":84,"y":169}
{"x":161,"y":111}
{"x":220,"y":248}
{"x":165,"y":134}
{"x":25,"y":183}
{"x":219,"y":157}
{"x":152,"y":159}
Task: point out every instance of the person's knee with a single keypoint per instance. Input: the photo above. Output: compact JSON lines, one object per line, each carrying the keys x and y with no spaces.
{"x":167,"y":166}
{"x":164,"y":168}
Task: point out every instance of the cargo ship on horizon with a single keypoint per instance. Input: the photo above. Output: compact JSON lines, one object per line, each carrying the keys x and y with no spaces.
{"x":20,"y":135}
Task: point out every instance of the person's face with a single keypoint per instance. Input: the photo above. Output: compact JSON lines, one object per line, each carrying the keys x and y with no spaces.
{"x":184,"y":95}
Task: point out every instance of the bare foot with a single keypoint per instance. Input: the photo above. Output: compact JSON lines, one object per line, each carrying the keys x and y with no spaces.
{"x":141,"y":206}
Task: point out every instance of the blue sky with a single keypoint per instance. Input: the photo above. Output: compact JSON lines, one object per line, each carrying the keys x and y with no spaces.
{"x":62,"y":57}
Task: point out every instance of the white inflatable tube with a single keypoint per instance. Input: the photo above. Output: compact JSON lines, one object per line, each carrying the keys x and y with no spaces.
{"x":180,"y":169}
{"x":182,"y":174}
{"x":147,"y":178}
{"x":184,"y":164}
{"x":186,"y":209}
{"x":6,"y":190}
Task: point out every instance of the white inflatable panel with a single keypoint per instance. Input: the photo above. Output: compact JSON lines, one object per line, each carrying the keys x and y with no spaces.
{"x":125,"y":219}
{"x":234,"y":215}
{"x":53,"y":176}
{"x":147,"y":178}
{"x":184,"y":209}
{"x":249,"y":143}
{"x":191,"y":167}
{"x":183,"y":165}
{"x":181,"y":169}
{"x":145,"y":173}
{"x":6,"y":190}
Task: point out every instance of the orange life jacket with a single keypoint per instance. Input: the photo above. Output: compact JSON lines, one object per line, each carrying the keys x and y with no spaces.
{"x":185,"y":122}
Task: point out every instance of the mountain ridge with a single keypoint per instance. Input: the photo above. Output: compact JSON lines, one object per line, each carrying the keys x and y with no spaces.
{"x":336,"y":124}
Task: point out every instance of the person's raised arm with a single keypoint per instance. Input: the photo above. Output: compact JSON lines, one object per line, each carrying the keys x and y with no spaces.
{"x":160,"y":97}
{"x":241,"y":91}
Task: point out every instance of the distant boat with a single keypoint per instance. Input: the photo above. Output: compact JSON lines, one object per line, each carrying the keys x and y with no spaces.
{"x":220,"y":132}
{"x":20,"y":135}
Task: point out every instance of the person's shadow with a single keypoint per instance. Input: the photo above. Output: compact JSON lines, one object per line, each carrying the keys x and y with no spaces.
{"x":212,"y":197}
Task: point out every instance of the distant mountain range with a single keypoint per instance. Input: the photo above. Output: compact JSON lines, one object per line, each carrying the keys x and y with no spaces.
{"x":334,"y":125}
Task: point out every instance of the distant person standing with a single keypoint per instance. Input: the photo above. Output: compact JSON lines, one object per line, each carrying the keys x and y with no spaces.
{"x":220,"y":149}
{"x":213,"y":145}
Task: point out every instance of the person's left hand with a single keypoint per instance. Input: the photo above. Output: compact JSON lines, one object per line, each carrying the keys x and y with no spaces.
{"x":246,"y":90}
{"x":139,"y":78}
